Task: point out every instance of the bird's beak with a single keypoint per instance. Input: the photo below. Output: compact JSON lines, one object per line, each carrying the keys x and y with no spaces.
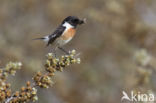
{"x":82,"y":21}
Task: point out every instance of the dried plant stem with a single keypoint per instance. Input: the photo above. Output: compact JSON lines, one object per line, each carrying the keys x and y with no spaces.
{"x":40,"y":79}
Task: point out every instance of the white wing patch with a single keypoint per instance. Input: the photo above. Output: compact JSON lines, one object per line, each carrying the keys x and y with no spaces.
{"x":46,"y":38}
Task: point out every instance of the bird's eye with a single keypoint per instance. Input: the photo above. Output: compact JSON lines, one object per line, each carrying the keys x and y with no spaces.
{"x":75,"y":20}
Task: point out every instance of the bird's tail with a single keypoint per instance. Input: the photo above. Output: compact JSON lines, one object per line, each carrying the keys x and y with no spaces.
{"x":46,"y":38}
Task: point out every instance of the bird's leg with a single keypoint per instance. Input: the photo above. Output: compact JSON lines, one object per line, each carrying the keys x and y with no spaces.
{"x":63,"y":50}
{"x":55,"y":51}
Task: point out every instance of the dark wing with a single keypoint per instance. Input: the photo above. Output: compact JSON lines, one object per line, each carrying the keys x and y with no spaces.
{"x":57,"y":33}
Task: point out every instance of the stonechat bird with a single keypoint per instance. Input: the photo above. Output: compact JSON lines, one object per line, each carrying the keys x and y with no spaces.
{"x":63,"y":33}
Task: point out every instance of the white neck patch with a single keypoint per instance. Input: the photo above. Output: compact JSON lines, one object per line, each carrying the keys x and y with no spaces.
{"x":67,"y":25}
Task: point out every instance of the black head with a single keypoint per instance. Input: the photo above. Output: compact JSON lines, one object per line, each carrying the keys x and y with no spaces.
{"x":74,"y":21}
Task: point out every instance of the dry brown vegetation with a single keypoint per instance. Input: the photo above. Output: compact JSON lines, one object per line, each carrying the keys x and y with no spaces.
{"x":117,"y":47}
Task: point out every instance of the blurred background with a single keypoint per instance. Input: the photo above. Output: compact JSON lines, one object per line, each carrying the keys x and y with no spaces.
{"x":117,"y":46}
